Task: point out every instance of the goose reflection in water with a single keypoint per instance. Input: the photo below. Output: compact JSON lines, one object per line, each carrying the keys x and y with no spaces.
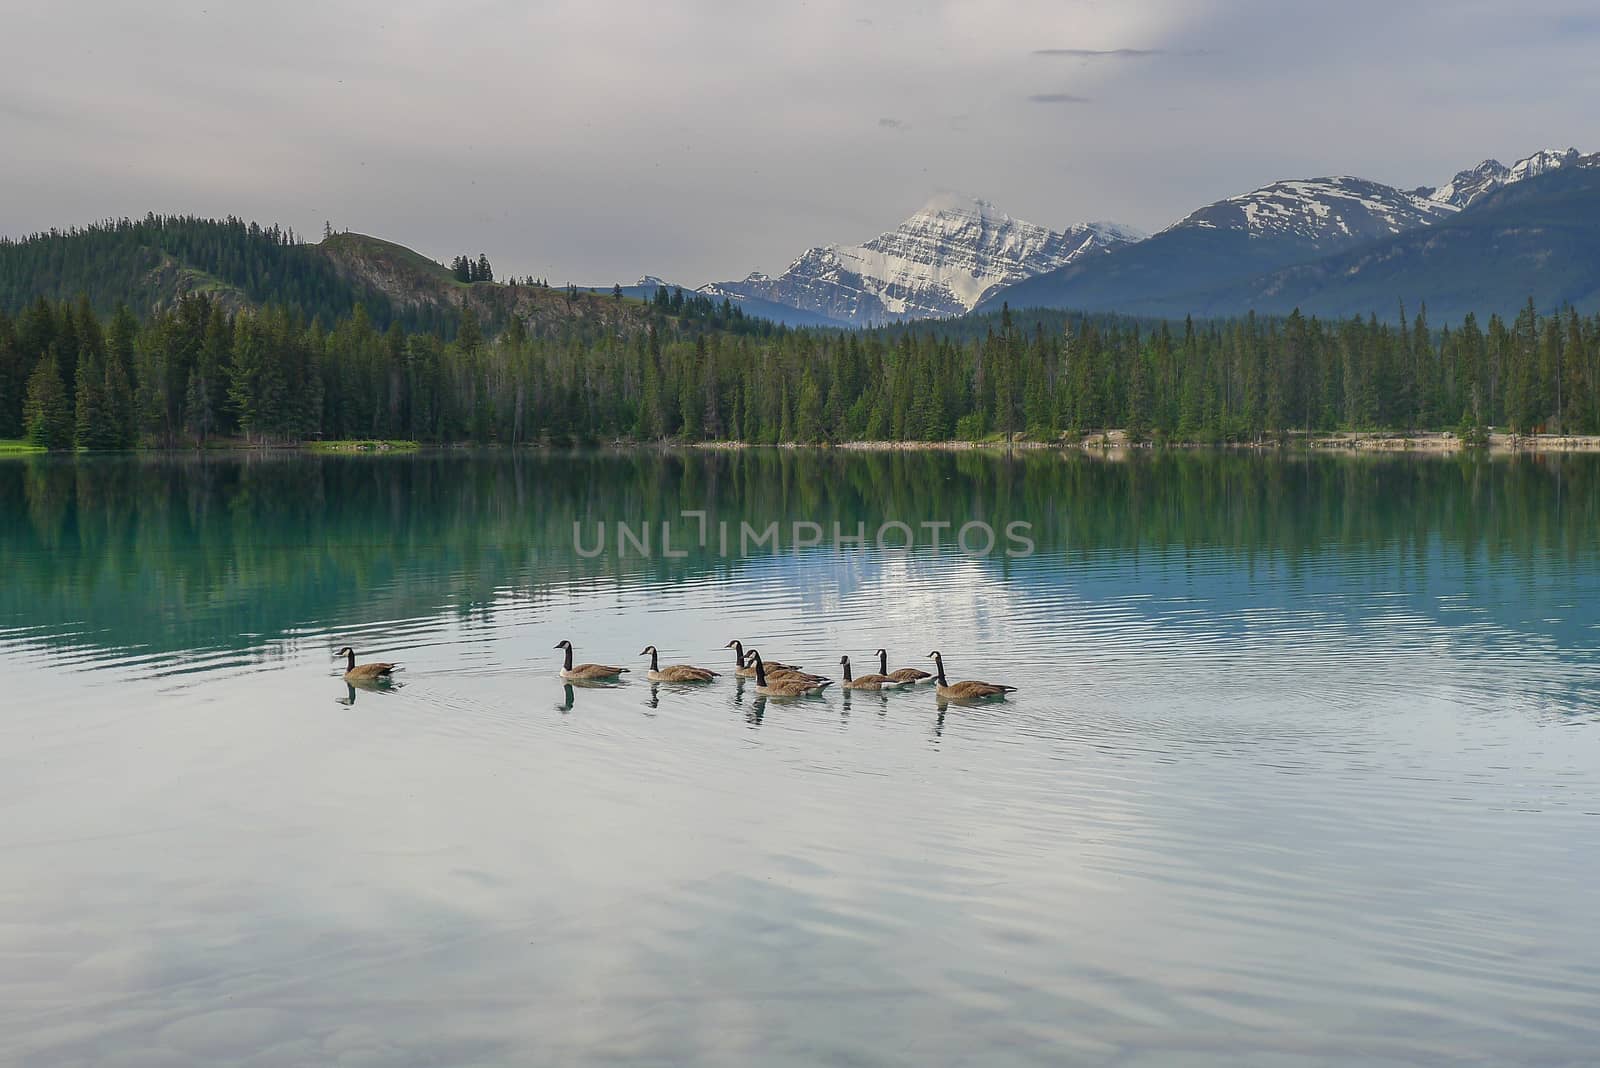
{"x":569,"y":698}
{"x":877,"y":699}
{"x":380,"y":686}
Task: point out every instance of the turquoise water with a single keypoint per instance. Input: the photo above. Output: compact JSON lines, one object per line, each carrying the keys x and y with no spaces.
{"x":1304,"y":765}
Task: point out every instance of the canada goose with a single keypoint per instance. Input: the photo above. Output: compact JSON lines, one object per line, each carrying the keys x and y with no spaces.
{"x":866,"y":682}
{"x":587,"y":672}
{"x":745,"y":670}
{"x":358,"y":673}
{"x":779,"y":673}
{"x":784,"y":685}
{"x":965,"y":691}
{"x":675,"y":672}
{"x":901,"y":674}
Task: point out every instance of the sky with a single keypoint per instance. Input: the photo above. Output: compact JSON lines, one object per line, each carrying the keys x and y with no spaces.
{"x":699,"y":140}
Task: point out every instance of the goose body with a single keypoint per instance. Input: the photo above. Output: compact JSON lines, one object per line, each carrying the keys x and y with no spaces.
{"x":867,"y":682}
{"x":586,"y":672}
{"x":675,"y":672}
{"x":969,"y":690}
{"x":359,"y":673}
{"x":746,"y":670}
{"x":905,"y":674}
{"x":785,"y":685}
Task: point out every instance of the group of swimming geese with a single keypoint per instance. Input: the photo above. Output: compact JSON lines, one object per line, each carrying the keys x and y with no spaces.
{"x":772,"y":679}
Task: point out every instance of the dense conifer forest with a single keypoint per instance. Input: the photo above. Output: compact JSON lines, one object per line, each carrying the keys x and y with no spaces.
{"x":194,"y":373}
{"x":125,"y":261}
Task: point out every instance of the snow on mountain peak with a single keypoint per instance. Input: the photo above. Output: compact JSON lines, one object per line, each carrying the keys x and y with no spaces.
{"x":947,"y":203}
{"x":1469,"y":185}
{"x":938,"y":262}
{"x":1335,"y":209}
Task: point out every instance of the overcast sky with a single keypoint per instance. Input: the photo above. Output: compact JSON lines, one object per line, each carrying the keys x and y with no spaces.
{"x":703,"y":139}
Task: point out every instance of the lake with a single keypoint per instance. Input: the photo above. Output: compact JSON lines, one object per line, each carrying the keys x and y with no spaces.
{"x":1303,"y":767}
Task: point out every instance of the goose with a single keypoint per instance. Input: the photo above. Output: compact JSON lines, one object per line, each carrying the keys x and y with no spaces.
{"x":675,"y":672}
{"x":901,"y":674}
{"x":965,"y":691}
{"x":354,"y":672}
{"x":744,"y":670}
{"x":779,"y":673}
{"x":784,"y":685}
{"x":866,"y":682}
{"x":585,"y":672}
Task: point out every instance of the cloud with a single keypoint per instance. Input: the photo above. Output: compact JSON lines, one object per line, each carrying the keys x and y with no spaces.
{"x":1121,"y":53}
{"x":284,"y":103}
{"x":1102,"y":53}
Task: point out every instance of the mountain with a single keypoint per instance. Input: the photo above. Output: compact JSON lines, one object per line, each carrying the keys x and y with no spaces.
{"x":1319,"y":213}
{"x":1537,"y":238}
{"x":939,"y":262}
{"x":1470,"y":185}
{"x":152,"y":263}
{"x":1231,"y":240}
{"x":1287,"y":241}
{"x":420,"y":288}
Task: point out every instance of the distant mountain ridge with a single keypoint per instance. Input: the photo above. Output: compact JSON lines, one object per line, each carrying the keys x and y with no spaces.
{"x":1470,"y":185}
{"x":152,"y":263}
{"x":1538,"y":239}
{"x":1320,"y":211}
{"x":1238,"y":254}
{"x":939,"y":262}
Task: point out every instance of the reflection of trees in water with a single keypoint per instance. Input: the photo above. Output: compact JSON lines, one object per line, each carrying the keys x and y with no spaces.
{"x":187,"y":551}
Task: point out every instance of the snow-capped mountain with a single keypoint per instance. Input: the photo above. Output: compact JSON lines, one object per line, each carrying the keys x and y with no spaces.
{"x":1469,"y":185}
{"x":1347,"y":245}
{"x":939,"y":262}
{"x":1320,"y":211}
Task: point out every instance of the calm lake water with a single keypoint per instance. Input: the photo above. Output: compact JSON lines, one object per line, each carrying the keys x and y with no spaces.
{"x":1304,"y":767}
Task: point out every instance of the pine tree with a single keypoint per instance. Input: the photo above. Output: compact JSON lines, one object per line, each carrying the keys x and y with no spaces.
{"x":1137,"y":423}
{"x":808,"y":411}
{"x":48,"y":416}
{"x":204,"y":392}
{"x":93,"y":426}
{"x":13,"y":383}
{"x":120,"y":358}
{"x":689,"y":402}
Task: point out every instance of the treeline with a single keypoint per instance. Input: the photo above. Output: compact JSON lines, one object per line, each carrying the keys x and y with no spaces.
{"x":467,"y":269}
{"x":194,"y":372}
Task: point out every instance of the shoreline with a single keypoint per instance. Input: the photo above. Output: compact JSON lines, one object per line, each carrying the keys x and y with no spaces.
{"x":1103,"y":442}
{"x":1434,"y":443}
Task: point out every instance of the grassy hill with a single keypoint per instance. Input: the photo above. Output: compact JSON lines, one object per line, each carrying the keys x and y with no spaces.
{"x":415,"y":286}
{"x":152,"y":263}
